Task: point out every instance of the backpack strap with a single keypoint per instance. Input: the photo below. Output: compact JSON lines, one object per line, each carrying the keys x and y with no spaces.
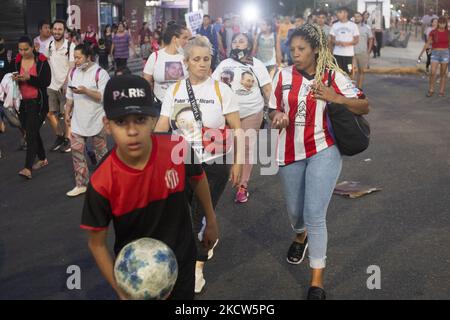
{"x":330,"y":78}
{"x":50,"y":48}
{"x":177,"y":88}
{"x":219,"y":95}
{"x":72,"y":72}
{"x":69,"y":44}
{"x":97,"y":76}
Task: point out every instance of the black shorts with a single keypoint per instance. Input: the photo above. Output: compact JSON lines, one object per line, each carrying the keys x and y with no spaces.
{"x":345,"y":63}
{"x":185,"y":285}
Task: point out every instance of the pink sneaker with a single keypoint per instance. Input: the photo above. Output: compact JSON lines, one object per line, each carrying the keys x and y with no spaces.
{"x":241,"y":195}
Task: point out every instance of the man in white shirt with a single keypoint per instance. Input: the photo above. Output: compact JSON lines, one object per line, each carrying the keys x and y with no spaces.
{"x":43,"y":39}
{"x":60,"y":57}
{"x":344,"y":35}
{"x":426,"y":22}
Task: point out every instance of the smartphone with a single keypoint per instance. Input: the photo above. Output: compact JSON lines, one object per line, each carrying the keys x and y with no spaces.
{"x":73,"y":88}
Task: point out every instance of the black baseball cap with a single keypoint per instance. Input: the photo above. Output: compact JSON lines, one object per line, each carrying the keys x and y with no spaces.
{"x":128,"y":94}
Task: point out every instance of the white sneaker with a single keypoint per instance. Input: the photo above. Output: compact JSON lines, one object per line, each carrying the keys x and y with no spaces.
{"x":199,"y":280}
{"x":211,"y":251}
{"x":76,"y":191}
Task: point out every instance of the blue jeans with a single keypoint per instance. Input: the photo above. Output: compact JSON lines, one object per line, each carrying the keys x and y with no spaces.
{"x":440,"y":56}
{"x":308,"y":186}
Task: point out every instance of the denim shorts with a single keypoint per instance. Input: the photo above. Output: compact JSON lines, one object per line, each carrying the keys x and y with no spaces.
{"x":440,"y":56}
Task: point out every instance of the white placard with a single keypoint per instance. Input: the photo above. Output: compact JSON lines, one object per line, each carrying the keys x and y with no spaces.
{"x":194,"y":21}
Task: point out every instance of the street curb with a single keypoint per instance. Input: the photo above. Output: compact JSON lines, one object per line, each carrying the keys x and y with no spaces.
{"x":396,"y":70}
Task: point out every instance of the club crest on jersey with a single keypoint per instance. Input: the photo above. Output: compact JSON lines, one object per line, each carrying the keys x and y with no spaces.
{"x":129,"y":93}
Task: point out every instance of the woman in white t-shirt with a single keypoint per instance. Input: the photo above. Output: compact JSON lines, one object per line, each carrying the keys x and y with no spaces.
{"x":216,"y":105}
{"x":84,"y":113}
{"x":249,"y":79}
{"x":166,"y":66}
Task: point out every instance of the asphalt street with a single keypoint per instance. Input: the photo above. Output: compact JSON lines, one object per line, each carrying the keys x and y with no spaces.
{"x":404,"y":229}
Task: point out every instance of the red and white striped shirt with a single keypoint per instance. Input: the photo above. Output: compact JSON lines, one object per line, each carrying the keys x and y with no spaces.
{"x":308,"y":132}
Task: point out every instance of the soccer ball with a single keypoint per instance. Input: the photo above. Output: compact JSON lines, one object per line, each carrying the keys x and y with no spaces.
{"x":146,"y":269}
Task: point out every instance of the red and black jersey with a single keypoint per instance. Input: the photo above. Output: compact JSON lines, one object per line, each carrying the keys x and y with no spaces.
{"x":140,"y":202}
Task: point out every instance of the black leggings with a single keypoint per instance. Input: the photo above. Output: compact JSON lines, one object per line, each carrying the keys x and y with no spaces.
{"x":428,"y":58}
{"x":377,"y":48}
{"x":31,"y":119}
{"x":217,"y":175}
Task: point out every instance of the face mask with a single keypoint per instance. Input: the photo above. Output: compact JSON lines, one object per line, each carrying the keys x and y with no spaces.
{"x":239,"y":54}
{"x":84,"y":66}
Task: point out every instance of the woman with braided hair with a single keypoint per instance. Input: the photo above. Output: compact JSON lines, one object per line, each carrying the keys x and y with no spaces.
{"x":309,"y":160}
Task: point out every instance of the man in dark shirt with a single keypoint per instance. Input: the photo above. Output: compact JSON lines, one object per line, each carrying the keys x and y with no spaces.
{"x":208,"y":30}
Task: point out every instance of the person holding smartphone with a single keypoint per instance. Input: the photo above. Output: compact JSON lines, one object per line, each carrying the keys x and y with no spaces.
{"x":32,"y":72}
{"x":84,"y":113}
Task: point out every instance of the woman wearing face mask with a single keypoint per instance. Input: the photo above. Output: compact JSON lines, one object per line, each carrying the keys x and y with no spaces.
{"x":84,"y":113}
{"x":32,"y":72}
{"x":157,"y":70}
{"x":216,"y":106}
{"x":251,"y":83}
{"x":310,"y":162}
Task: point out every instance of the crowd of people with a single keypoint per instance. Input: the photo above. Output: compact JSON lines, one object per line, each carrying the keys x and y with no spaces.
{"x":225,"y":77}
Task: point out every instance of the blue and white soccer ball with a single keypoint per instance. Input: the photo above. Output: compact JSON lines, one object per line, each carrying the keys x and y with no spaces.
{"x":146,"y":269}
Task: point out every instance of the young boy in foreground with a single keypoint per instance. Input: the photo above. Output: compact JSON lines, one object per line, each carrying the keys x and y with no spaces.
{"x":140,"y":186}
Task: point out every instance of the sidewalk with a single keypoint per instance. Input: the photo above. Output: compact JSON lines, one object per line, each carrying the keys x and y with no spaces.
{"x":399,"y":60}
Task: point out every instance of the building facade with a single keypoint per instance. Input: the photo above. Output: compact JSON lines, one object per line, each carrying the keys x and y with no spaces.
{"x":19,"y":17}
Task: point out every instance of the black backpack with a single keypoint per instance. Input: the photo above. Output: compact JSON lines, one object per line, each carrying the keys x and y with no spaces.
{"x":351,"y":131}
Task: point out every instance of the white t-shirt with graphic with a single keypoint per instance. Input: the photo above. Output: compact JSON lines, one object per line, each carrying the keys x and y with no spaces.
{"x":344,"y":32}
{"x":166,"y":69}
{"x":182,"y":121}
{"x":87,"y":117}
{"x":243,"y":80}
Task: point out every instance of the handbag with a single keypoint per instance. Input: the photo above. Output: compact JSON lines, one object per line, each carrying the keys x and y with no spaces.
{"x":213,"y":140}
{"x":351,"y":132}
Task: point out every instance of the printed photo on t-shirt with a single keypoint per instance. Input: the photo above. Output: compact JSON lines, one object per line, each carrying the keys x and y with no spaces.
{"x":247,"y":83}
{"x":173,"y":71}
{"x":182,"y":118}
{"x":227,"y":77}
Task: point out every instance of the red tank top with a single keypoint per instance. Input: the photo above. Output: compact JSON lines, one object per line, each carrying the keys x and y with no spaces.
{"x":28,"y":91}
{"x":440,"y":39}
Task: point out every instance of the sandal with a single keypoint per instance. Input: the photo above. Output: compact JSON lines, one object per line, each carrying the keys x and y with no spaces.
{"x":40,"y":164}
{"x":430,"y":94}
{"x":25,"y":175}
{"x":441,"y":94}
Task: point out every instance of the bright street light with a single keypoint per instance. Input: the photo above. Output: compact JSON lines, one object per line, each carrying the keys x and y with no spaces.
{"x":250,"y":12}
